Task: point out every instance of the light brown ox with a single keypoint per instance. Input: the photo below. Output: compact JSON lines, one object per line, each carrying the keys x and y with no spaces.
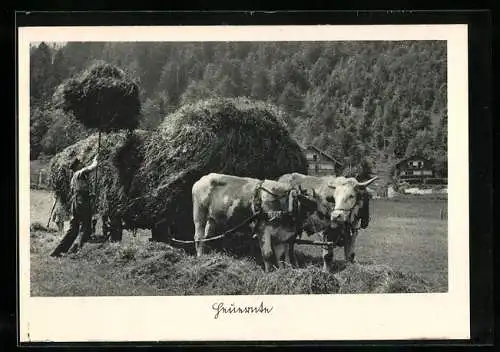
{"x":222,"y":202}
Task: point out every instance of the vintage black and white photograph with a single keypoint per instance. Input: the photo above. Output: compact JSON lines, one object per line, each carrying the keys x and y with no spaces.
{"x":227,"y":168}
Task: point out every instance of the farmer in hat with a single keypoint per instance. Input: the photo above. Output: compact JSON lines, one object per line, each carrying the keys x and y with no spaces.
{"x":81,"y":208}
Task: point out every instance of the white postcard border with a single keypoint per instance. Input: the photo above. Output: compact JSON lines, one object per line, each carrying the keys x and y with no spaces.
{"x":297,"y":317}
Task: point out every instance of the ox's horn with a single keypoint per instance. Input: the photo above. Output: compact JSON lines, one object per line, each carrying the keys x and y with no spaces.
{"x":366,"y":183}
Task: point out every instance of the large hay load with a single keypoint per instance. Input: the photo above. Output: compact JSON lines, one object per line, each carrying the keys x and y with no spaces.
{"x":146,"y":179}
{"x":234,"y":136}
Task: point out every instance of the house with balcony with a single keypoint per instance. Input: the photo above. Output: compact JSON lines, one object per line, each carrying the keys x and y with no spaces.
{"x":414,"y":170}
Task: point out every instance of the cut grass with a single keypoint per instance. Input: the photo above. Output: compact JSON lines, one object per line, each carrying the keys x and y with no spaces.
{"x":136,"y":267}
{"x":390,"y":260}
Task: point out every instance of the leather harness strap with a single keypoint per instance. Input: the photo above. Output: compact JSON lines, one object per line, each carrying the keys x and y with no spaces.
{"x":257,"y":202}
{"x":271,"y":216}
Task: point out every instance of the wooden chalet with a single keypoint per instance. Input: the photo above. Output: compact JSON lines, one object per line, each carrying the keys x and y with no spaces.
{"x":414,"y":170}
{"x":320,"y":163}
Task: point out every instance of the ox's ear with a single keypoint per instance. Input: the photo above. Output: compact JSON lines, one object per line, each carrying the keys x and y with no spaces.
{"x":362,"y":185}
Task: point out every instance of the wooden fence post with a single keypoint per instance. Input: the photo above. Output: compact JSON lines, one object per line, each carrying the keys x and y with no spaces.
{"x":443,"y":214}
{"x":42,"y":178}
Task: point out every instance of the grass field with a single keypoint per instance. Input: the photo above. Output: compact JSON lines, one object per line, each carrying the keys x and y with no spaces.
{"x":403,"y":250}
{"x":407,"y":235}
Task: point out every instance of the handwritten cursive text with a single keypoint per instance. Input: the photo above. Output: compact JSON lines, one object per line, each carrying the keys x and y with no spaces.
{"x":219,"y":308}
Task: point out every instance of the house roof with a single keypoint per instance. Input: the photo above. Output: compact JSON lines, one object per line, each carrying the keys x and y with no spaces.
{"x":326,"y":155}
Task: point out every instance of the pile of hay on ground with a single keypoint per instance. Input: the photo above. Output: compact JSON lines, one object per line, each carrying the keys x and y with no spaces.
{"x":157,"y":268}
{"x":234,"y":136}
{"x":220,"y":274}
{"x":359,"y":278}
{"x":120,"y":157}
{"x":176,"y":273}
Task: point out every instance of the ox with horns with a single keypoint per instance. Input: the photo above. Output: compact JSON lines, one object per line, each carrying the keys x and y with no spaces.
{"x":343,"y":208}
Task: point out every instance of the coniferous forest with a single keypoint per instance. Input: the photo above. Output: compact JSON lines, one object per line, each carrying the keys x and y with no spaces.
{"x":366,"y":103}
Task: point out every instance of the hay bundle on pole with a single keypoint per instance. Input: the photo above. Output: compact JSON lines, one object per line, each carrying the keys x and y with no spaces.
{"x":235,"y":136}
{"x":103,"y":97}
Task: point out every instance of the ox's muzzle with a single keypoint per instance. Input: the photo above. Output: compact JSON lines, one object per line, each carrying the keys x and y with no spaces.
{"x":339,"y":217}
